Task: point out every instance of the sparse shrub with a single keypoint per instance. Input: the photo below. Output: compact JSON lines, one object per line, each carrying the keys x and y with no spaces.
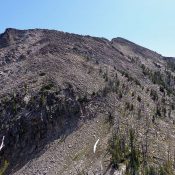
{"x":157,"y":78}
{"x":14,"y":104}
{"x":137,"y":82}
{"x":166,"y":168}
{"x":139,"y":113}
{"x":162,"y":89}
{"x":132,"y":94}
{"x":153,"y":119}
{"x":4,"y":167}
{"x":42,"y":99}
{"x":25,"y":88}
{"x":105,"y":91}
{"x":83,"y":99}
{"x":145,"y":70}
{"x":105,"y":76}
{"x":47,"y":87}
{"x":87,"y":58}
{"x":139,"y":99}
{"x":42,"y":74}
{"x":164,"y":111}
{"x":110,"y":119}
{"x":147,"y":90}
{"x":81,"y":172}
{"x":158,"y":111}
{"x":93,"y":93}
{"x":151,"y":171}
{"x":129,"y":106}
{"x":163,"y":100}
{"x":116,"y":88}
{"x":154,"y":95}
{"x":120,"y":95}
{"x":100,"y":71}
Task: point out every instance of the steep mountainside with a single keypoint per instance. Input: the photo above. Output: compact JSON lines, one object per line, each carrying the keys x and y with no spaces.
{"x":62,"y":92}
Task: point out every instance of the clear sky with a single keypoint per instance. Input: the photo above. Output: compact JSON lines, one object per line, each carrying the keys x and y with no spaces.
{"x":150,"y":23}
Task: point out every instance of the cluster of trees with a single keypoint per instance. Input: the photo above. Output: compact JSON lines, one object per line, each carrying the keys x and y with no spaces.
{"x":129,"y":152}
{"x":130,"y":78}
{"x":166,"y":80}
{"x":125,"y":152}
{"x":171,"y":64}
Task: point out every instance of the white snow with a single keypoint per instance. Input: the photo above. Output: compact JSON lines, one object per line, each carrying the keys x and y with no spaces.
{"x":95,"y":145}
{"x":2,"y":143}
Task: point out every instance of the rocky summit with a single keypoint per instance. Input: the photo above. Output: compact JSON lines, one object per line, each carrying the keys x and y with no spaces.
{"x":73,"y":104}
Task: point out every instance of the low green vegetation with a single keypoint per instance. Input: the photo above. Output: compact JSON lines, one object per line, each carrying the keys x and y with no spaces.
{"x":4,"y":167}
{"x":47,"y":87}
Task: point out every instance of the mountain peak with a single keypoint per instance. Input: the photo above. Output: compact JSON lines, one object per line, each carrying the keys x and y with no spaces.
{"x":10,"y":36}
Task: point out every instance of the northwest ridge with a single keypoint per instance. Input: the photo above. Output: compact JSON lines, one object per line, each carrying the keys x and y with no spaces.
{"x":65,"y":95}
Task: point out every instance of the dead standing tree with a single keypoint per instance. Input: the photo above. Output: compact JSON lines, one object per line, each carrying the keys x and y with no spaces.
{"x":145,"y":141}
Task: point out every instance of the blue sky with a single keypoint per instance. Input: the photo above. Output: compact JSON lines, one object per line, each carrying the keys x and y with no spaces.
{"x":150,"y":23}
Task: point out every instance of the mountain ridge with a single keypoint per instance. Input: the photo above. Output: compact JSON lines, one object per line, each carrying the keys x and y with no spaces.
{"x":119,"y":39}
{"x":53,"y":84}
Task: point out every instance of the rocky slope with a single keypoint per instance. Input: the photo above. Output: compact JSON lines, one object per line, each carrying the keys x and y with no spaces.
{"x":61,"y":92}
